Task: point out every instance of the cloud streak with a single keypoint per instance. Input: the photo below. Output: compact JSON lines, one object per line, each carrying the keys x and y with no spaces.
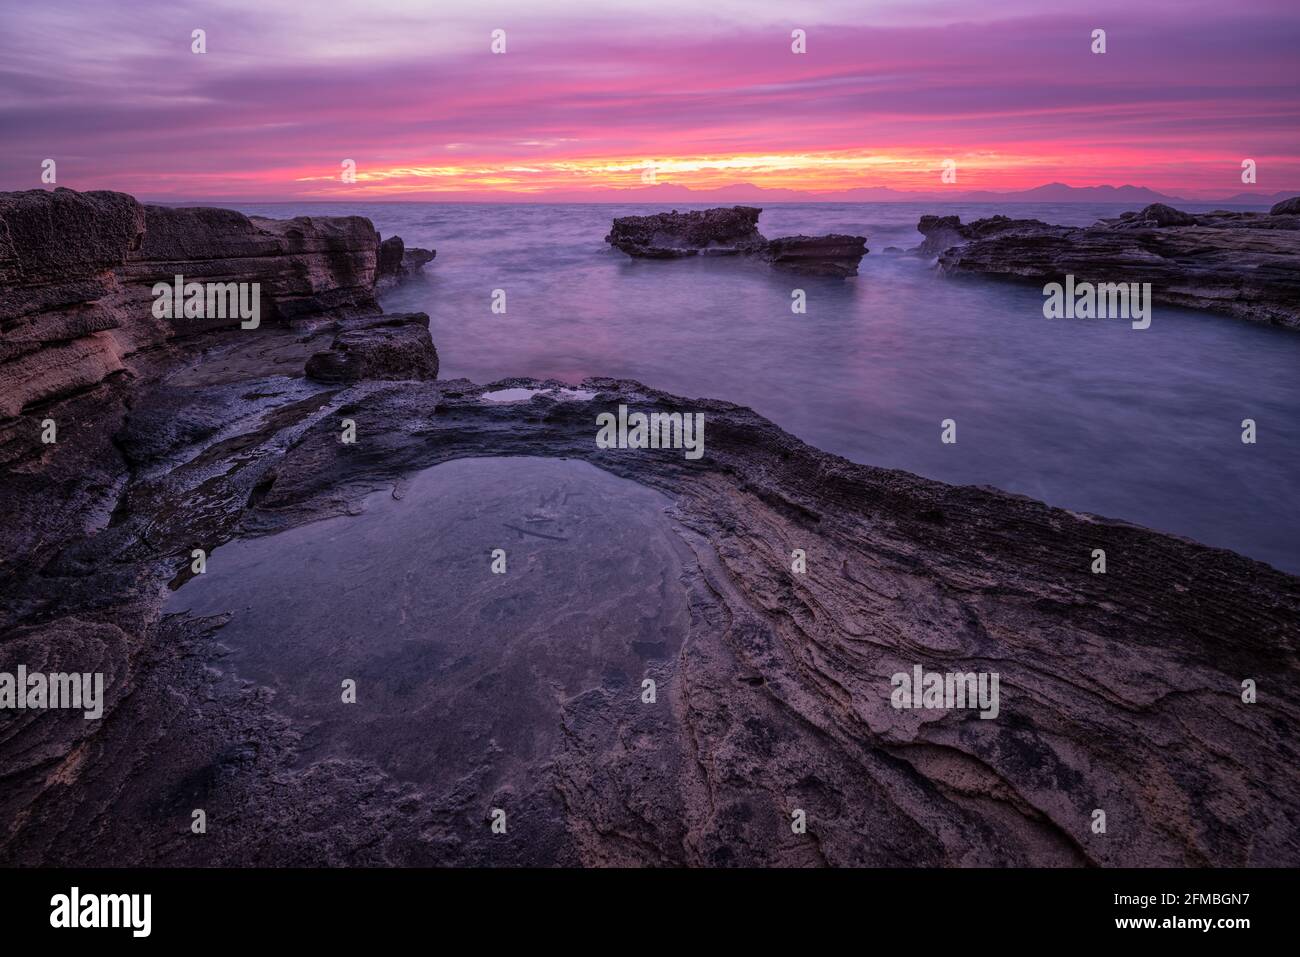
{"x":1015,"y":97}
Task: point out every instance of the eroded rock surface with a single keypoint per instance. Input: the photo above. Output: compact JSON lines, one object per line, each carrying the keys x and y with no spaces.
{"x":1120,"y":692}
{"x":391,"y":347}
{"x":832,"y":255}
{"x":734,"y":231}
{"x":944,"y":232}
{"x":78,"y":271}
{"x":1244,"y":264}
{"x":396,"y":263}
{"x":726,"y":231}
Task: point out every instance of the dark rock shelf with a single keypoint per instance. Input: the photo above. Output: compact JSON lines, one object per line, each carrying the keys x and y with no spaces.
{"x":1119,"y":691}
{"x":1244,"y":264}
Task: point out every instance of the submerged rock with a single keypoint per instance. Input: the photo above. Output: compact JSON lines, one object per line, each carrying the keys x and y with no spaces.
{"x":1243,"y":264}
{"x":734,"y":231}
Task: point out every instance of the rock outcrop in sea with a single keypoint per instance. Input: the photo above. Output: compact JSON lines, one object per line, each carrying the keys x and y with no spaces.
{"x":1120,"y":692}
{"x":1241,"y":263}
{"x":395,"y":263}
{"x":733,"y":231}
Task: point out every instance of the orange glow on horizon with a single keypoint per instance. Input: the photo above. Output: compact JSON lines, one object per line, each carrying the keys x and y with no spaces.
{"x":914,"y":170}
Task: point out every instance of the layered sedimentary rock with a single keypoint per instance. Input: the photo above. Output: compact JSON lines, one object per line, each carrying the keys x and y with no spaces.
{"x":944,"y":232}
{"x":78,"y":271}
{"x":388,"y":347}
{"x":1244,"y":264}
{"x":734,"y":232}
{"x":1119,"y":692}
{"x":62,"y":298}
{"x":832,"y":255}
{"x":306,"y":266}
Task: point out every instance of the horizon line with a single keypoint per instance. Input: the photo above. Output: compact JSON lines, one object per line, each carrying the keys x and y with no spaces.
{"x":746,"y":193}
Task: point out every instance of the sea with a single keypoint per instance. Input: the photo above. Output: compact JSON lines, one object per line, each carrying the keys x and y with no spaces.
{"x":1087,"y":414}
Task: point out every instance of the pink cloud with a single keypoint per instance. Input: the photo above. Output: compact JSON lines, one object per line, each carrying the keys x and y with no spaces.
{"x":1175,"y":104}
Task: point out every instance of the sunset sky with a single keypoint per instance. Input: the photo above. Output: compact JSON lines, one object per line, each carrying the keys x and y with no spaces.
{"x":587,"y":94}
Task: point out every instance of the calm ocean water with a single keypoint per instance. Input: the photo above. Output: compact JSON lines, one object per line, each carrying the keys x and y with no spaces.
{"x":1085,"y":414}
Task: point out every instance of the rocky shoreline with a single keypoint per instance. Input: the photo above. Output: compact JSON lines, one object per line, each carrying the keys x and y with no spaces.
{"x":1120,"y":692}
{"x":1246,"y":265}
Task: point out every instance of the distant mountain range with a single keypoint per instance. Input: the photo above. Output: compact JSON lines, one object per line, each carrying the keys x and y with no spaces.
{"x":665,"y":194}
{"x":1136,"y":196}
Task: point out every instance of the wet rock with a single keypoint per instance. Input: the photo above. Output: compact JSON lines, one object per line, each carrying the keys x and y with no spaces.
{"x":1243,"y":264}
{"x":415,"y":257}
{"x":389,"y":262}
{"x":717,"y":232}
{"x":1288,"y":207}
{"x":831,"y":255}
{"x":1158,"y":214}
{"x":733,"y":231}
{"x":396,"y":263}
{"x":1118,"y":691}
{"x":944,"y":232}
{"x":389,"y":347}
{"x":940,"y":232}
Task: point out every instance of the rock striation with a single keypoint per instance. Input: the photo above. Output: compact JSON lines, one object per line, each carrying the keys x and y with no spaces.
{"x":1244,"y":264}
{"x":78,"y":270}
{"x":1118,"y":691}
{"x":834,"y":255}
{"x":734,"y":231}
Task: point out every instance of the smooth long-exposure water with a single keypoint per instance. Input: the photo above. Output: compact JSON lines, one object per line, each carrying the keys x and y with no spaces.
{"x":1086,"y":414}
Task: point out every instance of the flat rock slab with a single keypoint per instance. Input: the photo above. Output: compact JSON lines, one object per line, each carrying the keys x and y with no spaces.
{"x":519,"y":691}
{"x":834,"y":255}
{"x":734,"y":232}
{"x":1244,"y":264}
{"x":391,"y":347}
